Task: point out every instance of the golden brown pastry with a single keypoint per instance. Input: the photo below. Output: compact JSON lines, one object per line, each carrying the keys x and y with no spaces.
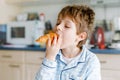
{"x":44,"y":38}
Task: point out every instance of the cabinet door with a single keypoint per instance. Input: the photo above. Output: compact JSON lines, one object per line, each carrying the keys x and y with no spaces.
{"x":110,"y":75}
{"x":0,"y":70}
{"x":12,"y":56}
{"x":34,"y":57}
{"x":10,"y":71}
{"x":109,"y":61}
{"x":31,"y":71}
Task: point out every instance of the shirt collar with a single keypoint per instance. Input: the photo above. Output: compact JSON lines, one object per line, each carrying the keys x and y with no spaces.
{"x":80,"y":58}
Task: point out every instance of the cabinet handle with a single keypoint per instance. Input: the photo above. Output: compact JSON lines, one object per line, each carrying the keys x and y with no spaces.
{"x":40,"y":58}
{"x":14,"y":66}
{"x":6,"y":56}
{"x":103,"y":62}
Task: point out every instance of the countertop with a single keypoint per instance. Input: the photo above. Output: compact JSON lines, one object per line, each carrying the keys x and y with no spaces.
{"x":97,"y":51}
{"x":23,"y":48}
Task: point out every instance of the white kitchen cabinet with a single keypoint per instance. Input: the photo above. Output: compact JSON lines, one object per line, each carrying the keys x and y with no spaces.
{"x":12,"y":71}
{"x":33,"y":61}
{"x":34,"y":57}
{"x":19,"y":65}
{"x":12,"y":56}
{"x":0,"y":69}
{"x":23,"y":65}
{"x":110,"y":74}
{"x":31,"y":70}
{"x":12,"y":65}
{"x":110,"y":66}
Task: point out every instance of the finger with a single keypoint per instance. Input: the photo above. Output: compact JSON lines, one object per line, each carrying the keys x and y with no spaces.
{"x":54,"y":40}
{"x":48,"y":43}
{"x":59,"y":39}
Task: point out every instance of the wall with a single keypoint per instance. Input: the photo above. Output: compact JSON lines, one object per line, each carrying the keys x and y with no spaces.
{"x":107,"y":13}
{"x":51,"y":11}
{"x":7,"y":12}
{"x":113,"y":12}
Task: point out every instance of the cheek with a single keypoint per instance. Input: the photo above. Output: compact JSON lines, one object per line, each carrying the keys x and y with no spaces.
{"x":68,"y":39}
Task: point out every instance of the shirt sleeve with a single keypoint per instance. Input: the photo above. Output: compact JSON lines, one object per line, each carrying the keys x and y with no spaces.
{"x":94,"y":69}
{"x":47,"y":70}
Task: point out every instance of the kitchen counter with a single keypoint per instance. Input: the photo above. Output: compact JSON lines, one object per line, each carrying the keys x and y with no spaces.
{"x":106,"y":51}
{"x":23,"y":48}
{"x":103,"y":51}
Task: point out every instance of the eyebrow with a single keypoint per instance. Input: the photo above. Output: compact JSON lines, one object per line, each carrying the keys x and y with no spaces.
{"x":68,"y":22}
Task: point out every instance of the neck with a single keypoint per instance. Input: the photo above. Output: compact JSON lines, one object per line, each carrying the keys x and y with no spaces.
{"x":71,"y":52}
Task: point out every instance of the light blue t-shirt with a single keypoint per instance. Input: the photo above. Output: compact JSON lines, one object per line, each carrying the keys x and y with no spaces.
{"x":85,"y":66}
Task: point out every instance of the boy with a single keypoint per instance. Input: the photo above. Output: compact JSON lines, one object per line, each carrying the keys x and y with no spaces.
{"x":66,"y":56}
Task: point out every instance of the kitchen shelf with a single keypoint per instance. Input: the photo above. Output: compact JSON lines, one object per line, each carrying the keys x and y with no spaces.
{"x":94,"y":3}
{"x":44,"y":2}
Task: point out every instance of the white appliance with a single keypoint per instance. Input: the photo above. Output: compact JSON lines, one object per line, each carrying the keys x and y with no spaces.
{"x":116,"y":23}
{"x":24,"y":33}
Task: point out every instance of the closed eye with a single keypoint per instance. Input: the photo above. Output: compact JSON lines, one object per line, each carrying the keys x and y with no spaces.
{"x":67,"y":27}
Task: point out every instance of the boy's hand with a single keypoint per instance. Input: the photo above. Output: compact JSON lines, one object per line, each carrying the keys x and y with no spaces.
{"x":53,"y":47}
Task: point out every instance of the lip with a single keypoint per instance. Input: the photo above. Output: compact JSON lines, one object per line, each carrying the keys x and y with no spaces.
{"x":58,"y":32}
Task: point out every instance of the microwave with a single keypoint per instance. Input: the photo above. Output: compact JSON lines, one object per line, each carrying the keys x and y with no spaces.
{"x":24,"y":32}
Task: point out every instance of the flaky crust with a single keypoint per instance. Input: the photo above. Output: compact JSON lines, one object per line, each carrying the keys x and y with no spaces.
{"x":44,"y":38}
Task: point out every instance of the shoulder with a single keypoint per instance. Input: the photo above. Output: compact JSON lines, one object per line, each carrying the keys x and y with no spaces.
{"x":91,"y":57}
{"x":93,"y":67}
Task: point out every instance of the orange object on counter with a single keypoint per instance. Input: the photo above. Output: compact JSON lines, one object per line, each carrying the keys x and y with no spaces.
{"x":44,"y":38}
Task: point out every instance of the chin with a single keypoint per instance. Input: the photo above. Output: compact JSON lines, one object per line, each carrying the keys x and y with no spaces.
{"x":64,"y":46}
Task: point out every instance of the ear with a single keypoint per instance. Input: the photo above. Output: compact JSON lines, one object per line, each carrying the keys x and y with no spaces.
{"x":82,"y":36}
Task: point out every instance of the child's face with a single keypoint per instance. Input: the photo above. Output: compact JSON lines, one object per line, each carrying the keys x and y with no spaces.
{"x":67,"y":28}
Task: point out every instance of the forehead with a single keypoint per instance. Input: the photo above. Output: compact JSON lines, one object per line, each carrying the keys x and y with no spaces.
{"x":66,"y":20}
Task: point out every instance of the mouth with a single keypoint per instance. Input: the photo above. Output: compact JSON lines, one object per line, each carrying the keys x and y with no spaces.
{"x":57,"y":32}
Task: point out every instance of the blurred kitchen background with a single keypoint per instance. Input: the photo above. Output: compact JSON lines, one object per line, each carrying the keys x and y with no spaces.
{"x":23,"y":21}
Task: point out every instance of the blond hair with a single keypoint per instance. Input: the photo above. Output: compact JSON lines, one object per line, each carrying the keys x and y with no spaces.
{"x":82,"y":15}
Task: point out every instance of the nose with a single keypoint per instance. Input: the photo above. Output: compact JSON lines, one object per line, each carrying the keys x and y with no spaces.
{"x":59,"y":27}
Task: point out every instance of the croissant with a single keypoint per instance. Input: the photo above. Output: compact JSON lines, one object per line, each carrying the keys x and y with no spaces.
{"x":44,"y":38}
